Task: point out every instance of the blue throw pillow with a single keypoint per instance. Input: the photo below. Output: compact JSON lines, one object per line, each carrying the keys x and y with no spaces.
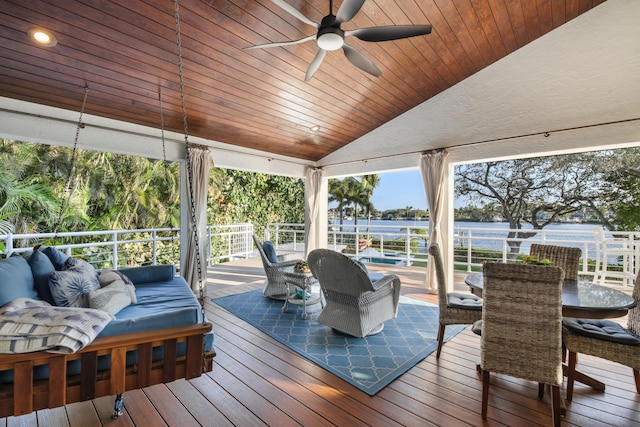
{"x":56,"y":256}
{"x":16,"y":280}
{"x":270,"y":252}
{"x":41,"y":267}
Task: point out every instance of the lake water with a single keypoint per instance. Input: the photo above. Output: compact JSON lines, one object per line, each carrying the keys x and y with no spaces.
{"x":488,"y":235}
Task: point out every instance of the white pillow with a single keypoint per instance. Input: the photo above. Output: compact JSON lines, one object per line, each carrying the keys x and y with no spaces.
{"x":111,"y":299}
{"x":109,"y":276}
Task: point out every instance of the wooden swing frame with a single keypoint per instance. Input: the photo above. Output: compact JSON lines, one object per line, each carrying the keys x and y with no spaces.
{"x":26,"y":395}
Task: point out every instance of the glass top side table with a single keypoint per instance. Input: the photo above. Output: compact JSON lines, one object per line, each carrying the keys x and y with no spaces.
{"x":304,"y":281}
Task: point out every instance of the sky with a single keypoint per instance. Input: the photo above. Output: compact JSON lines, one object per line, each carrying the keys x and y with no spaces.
{"x":399,"y":190}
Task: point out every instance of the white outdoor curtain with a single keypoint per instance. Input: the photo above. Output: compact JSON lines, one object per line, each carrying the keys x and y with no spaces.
{"x":432,"y":168}
{"x":200,"y":161}
{"x":312,"y":206}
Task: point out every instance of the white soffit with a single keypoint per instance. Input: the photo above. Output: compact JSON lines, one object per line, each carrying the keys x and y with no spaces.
{"x":584,"y":73}
{"x":25,"y":121}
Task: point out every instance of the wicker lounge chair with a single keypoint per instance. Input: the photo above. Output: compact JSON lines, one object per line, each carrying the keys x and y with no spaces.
{"x":354,"y":304}
{"x":454,"y":308}
{"x":606,"y":339}
{"x":275,"y":286}
{"x":568,"y":259}
{"x":522,"y":327}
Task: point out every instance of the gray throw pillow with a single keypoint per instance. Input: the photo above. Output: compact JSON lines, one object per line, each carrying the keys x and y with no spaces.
{"x":71,"y":287}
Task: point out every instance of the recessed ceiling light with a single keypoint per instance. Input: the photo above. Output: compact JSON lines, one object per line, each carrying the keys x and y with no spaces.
{"x":42,"y":37}
{"x":315,"y":128}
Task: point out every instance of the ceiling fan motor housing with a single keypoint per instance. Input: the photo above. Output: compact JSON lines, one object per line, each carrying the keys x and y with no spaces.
{"x":330,"y":36}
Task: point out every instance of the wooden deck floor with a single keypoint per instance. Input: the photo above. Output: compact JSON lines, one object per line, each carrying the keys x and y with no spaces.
{"x":258,"y":382}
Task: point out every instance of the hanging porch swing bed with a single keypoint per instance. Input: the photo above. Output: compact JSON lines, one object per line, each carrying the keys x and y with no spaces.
{"x":160,"y":338}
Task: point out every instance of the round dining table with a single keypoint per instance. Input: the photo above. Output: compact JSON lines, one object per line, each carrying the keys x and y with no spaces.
{"x":579,"y":298}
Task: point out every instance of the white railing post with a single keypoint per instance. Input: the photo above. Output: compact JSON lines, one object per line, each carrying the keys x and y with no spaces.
{"x":407,"y":246}
{"x":9,"y":244}
{"x":154,"y":247}
{"x":114,"y":249}
{"x":469,"y":251}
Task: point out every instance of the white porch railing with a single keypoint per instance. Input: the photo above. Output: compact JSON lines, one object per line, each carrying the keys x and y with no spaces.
{"x":125,"y":248}
{"x":605,"y":258}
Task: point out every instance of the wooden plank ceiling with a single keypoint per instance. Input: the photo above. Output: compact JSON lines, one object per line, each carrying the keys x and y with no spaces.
{"x":125,"y":51}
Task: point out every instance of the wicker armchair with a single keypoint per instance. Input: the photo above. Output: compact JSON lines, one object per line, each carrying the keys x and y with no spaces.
{"x":454,"y":308}
{"x":522,"y":327}
{"x":354,"y":304}
{"x":568,"y":259}
{"x":275,"y":286}
{"x":606,"y":339}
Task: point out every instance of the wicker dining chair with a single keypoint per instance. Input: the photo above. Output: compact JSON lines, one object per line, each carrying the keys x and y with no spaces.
{"x":606,"y":339}
{"x":564,"y":257}
{"x":522,"y":327}
{"x":354,"y":304}
{"x":274,"y":267}
{"x":454,"y":308}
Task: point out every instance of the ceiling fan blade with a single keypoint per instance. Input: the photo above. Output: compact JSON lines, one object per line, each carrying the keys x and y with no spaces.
{"x":278,"y":44}
{"x":360,"y":61}
{"x":315,"y":64}
{"x":389,"y":32}
{"x":288,"y":8}
{"x":348,"y":10}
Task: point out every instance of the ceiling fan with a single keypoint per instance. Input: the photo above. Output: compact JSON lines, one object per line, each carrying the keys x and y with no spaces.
{"x":331,"y":37}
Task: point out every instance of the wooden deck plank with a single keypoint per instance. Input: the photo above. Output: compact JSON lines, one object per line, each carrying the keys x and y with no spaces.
{"x":236,"y":413}
{"x":141,"y":410}
{"x":170,"y":408}
{"x":83,"y":413}
{"x":52,"y":417}
{"x":27,"y":420}
{"x":270,"y":414}
{"x":197,"y":404}
{"x":282,"y":393}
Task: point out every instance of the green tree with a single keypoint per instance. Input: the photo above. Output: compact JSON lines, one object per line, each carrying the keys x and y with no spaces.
{"x":622,"y":176}
{"x":256,"y":198}
{"x":534,"y":191}
{"x":369,"y":183}
{"x":27,"y":204}
{"x":339,"y":193}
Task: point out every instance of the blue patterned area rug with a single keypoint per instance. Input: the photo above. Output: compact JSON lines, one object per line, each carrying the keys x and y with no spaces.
{"x":369,"y":363}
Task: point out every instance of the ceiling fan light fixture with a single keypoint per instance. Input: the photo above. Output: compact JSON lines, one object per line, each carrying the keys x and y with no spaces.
{"x":42,"y":37}
{"x":315,"y":128}
{"x":330,"y":40}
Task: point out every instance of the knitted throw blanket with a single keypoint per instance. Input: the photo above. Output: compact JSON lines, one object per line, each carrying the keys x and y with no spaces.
{"x":28,"y":325}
